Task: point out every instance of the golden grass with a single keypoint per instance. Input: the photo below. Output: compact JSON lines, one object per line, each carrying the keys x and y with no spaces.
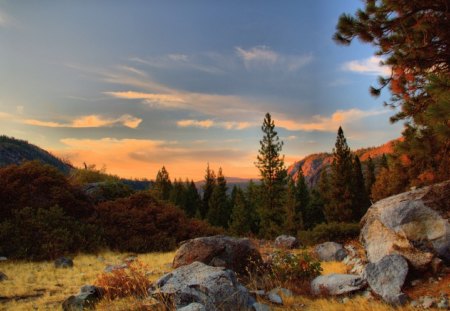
{"x":329,"y":267}
{"x":54,"y":285}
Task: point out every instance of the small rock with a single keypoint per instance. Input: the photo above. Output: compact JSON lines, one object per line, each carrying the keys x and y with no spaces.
{"x":111,"y":268}
{"x":345,"y":300}
{"x":286,"y":241}
{"x":443,"y":303}
{"x":367,"y":294}
{"x":337,"y":284}
{"x":330,"y":251}
{"x":436,"y":265}
{"x":258,"y":293}
{"x":3,"y":258}
{"x":415,"y":282}
{"x":130,"y":259}
{"x":274,"y":298}
{"x":3,"y":276}
{"x":88,"y":296}
{"x":63,"y":262}
{"x":195,"y":306}
{"x":282,"y":291}
{"x":415,"y":304}
{"x":427,"y":302}
{"x":257,"y":306}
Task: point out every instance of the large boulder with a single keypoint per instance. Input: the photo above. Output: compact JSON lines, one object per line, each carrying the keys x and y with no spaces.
{"x":337,"y":284}
{"x":386,"y":278}
{"x":239,"y":255}
{"x":286,"y":241}
{"x":215,"y":288}
{"x":414,"y":224}
{"x":88,"y":296}
{"x":330,"y":251}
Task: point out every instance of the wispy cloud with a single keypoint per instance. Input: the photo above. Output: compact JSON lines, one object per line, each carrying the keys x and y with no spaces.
{"x":5,"y":115}
{"x":133,"y":70}
{"x":369,"y":66}
{"x":212,"y":123}
{"x":90,"y":121}
{"x":328,"y":124}
{"x":263,"y":56}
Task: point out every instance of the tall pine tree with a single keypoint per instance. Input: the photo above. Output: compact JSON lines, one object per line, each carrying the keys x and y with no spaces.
{"x":219,"y":211}
{"x":370,"y":176}
{"x":361,"y":201}
{"x":340,"y":206}
{"x":193,"y":201}
{"x":273,"y":180}
{"x":162,"y":185}
{"x":241,"y":218}
{"x":208,"y":188}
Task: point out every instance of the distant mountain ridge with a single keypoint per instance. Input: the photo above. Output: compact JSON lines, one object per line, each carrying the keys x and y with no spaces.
{"x":16,"y":151}
{"x":312,"y":165}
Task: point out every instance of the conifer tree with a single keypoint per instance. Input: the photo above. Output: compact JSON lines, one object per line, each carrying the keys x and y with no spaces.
{"x":314,"y":211}
{"x":340,"y":206}
{"x":208,"y":188}
{"x":293,"y":217}
{"x":178,"y":194}
{"x":162,"y":185}
{"x":193,"y":201}
{"x":384,"y":162}
{"x":219,"y":211}
{"x":241,"y":218}
{"x":370,"y":176}
{"x":273,"y":180}
{"x":302,"y":197}
{"x":253,"y":198}
{"x":361,"y":201}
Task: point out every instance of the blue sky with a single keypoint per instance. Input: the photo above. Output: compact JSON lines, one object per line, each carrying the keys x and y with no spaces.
{"x":134,"y":85}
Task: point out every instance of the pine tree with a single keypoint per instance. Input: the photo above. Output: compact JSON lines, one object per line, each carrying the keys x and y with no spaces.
{"x":384,"y":162}
{"x":178,"y":194}
{"x":253,"y":198}
{"x":314,"y":211}
{"x":273,"y":180}
{"x":361,"y":201}
{"x":370,"y":176}
{"x":302,"y":197}
{"x":193,"y":201}
{"x":162,"y":185}
{"x":208,"y":188}
{"x":340,"y":206}
{"x":219,"y":211}
{"x":241,"y":218}
{"x":293,"y":217}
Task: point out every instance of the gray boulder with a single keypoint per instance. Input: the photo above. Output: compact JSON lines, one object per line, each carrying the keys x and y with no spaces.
{"x":215,"y":288}
{"x":88,"y":296}
{"x":3,"y":276}
{"x":3,"y":258}
{"x":239,"y":255}
{"x":337,"y":284}
{"x":330,"y":251}
{"x":287,"y":242}
{"x":386,"y":278}
{"x":63,"y":262}
{"x":413,"y":224}
{"x":257,"y":306}
{"x":111,"y":268}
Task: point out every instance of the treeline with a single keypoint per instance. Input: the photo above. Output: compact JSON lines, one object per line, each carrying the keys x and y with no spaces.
{"x":277,"y":204}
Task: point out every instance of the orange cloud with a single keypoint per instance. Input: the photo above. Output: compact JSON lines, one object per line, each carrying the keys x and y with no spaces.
{"x":211,"y":123}
{"x":139,"y":158}
{"x":327,"y":124}
{"x":90,"y":121}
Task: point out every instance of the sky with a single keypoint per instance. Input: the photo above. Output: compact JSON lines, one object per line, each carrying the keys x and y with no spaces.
{"x":135,"y":85}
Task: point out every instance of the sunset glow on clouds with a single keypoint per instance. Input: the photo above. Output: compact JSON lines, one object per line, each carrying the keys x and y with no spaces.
{"x":132,"y":89}
{"x":90,"y":121}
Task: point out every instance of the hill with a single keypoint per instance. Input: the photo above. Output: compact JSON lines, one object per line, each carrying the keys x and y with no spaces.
{"x":15,"y":151}
{"x":312,"y":165}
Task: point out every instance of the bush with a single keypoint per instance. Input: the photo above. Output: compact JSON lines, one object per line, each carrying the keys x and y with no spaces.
{"x":141,"y":223}
{"x":36,"y":185}
{"x":121,"y":283}
{"x":337,"y":232}
{"x":289,"y":267}
{"x":41,"y":234}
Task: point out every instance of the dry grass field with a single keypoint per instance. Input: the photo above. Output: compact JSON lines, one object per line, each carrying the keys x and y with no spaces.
{"x":39,"y":286}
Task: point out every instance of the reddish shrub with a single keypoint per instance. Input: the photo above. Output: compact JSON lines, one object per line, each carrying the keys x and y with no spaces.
{"x":141,"y":223}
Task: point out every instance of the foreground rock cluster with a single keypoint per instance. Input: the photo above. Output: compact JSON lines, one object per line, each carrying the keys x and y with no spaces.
{"x":401,"y":235}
